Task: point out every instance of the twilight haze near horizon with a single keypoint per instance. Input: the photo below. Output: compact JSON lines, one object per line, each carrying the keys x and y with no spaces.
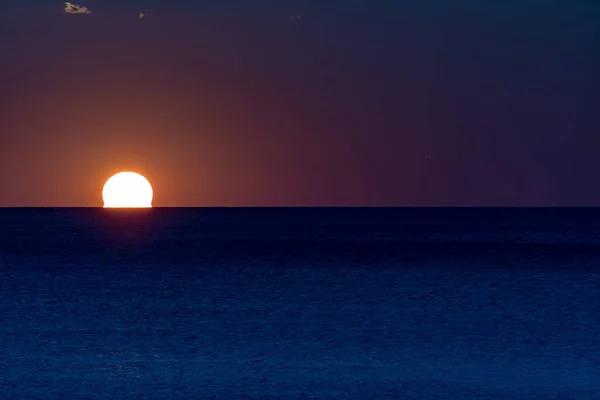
{"x":353,"y":103}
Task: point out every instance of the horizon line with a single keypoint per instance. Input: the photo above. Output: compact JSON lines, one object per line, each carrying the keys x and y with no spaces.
{"x":301,"y":206}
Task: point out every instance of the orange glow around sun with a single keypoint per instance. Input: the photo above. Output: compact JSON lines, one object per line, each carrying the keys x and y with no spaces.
{"x":127,"y":190}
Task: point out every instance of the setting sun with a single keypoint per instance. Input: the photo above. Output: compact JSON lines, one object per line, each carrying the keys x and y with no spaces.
{"x":127,"y":190}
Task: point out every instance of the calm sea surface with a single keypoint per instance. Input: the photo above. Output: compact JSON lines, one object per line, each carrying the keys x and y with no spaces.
{"x":300,"y":304}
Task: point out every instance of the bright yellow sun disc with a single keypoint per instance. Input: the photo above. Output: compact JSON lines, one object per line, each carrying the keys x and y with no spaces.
{"x":127,"y":190}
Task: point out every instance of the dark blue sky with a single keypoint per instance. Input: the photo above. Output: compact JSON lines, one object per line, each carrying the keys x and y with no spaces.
{"x":358,"y":103}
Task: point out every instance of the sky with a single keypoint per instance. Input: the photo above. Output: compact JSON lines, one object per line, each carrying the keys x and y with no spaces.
{"x":355,"y":103}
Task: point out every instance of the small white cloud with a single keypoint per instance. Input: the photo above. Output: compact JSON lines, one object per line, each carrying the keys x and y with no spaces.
{"x":71,"y":8}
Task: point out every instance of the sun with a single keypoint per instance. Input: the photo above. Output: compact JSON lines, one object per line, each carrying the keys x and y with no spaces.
{"x":127,"y":190}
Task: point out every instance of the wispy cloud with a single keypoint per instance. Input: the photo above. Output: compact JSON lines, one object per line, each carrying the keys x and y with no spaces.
{"x":71,"y":8}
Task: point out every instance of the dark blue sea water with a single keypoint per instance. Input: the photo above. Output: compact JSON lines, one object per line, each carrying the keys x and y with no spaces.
{"x":300,"y":304}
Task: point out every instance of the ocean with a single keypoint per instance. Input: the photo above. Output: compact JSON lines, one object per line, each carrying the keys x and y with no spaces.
{"x":300,"y":303}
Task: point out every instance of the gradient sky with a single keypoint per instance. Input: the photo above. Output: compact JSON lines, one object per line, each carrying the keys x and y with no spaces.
{"x":223,"y":103}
